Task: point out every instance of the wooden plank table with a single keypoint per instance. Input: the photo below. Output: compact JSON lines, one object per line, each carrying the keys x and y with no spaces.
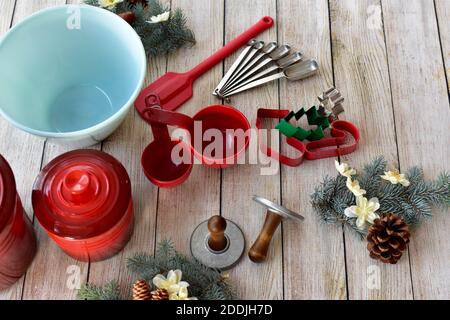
{"x":390,"y":59}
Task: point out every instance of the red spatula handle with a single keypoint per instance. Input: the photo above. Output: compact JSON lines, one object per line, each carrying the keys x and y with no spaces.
{"x":241,"y":40}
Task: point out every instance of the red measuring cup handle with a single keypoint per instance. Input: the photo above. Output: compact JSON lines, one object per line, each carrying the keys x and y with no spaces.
{"x":159,"y":120}
{"x":168,"y":118}
{"x":263,"y":24}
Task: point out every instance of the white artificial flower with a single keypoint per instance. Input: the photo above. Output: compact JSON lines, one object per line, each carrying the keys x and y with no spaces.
{"x":109,"y":4}
{"x":182,"y":294}
{"x":364,"y":211}
{"x":344,"y":169}
{"x":160,"y":17}
{"x":172,"y":283}
{"x":354,"y":187}
{"x":395,"y":177}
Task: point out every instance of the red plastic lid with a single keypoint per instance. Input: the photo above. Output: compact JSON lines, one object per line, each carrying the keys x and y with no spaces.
{"x":81,"y":194}
{"x":8,"y":192}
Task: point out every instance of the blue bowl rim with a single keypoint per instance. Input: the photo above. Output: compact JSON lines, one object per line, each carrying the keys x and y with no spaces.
{"x":120,"y":112}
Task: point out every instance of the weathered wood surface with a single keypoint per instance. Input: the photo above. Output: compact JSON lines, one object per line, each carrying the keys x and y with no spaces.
{"x":361,"y":72}
{"x":422,"y":116}
{"x":389,"y":59}
{"x":240,"y":183}
{"x":314,"y":260}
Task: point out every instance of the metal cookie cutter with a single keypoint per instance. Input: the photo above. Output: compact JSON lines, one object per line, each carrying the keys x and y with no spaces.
{"x":217,"y":243}
{"x":331,"y":102}
{"x":275,"y":213}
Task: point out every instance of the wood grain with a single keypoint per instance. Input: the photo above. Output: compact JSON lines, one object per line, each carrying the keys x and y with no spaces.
{"x":14,"y":142}
{"x":361,"y":72}
{"x":6,"y":17}
{"x":422,"y":116}
{"x":127,"y":144}
{"x":182,"y":208}
{"x":48,"y":279}
{"x":242,"y":181}
{"x":393,"y":79}
{"x":443,"y":18}
{"x":314,"y":265}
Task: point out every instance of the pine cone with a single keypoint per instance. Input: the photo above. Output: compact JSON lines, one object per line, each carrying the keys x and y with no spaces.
{"x":141,"y":290}
{"x":159,"y":294}
{"x":387,"y":238}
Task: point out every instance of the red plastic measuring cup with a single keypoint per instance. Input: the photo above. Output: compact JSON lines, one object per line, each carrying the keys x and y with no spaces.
{"x":226,"y":123}
{"x":169,"y":92}
{"x":233,"y":127}
{"x":157,"y":161}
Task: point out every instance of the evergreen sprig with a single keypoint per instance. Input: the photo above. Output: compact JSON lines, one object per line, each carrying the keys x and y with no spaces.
{"x":157,"y":38}
{"x":109,"y":291}
{"x":412,"y":203}
{"x":204,"y":283}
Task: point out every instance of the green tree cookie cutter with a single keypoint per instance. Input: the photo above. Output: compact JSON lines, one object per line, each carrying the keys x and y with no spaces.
{"x":314,"y":118}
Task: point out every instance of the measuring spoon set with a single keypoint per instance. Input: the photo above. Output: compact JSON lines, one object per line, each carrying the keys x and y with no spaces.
{"x":261,"y":63}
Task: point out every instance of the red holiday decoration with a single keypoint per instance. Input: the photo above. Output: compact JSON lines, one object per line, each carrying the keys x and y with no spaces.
{"x":128,"y":16}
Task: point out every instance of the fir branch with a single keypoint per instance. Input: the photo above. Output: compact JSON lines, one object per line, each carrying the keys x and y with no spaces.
{"x":157,"y":38}
{"x":370,"y":178}
{"x":413,"y":203}
{"x":442,"y":189}
{"x":139,"y":265}
{"x":204,"y":283}
{"x":329,"y":201}
{"x":92,"y":3}
{"x":165,"y":250}
{"x":109,"y":291}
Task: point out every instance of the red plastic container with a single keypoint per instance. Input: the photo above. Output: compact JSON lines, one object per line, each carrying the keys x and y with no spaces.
{"x":17,"y":237}
{"x":226,"y":122}
{"x":221,"y":118}
{"x":83,"y":200}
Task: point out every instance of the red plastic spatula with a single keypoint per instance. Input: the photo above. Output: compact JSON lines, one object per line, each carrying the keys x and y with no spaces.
{"x":173,"y":89}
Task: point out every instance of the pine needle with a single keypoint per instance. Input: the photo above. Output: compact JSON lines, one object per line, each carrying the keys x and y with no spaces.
{"x":158,"y":38}
{"x":413,"y":203}
{"x":109,"y":291}
{"x":204,"y":283}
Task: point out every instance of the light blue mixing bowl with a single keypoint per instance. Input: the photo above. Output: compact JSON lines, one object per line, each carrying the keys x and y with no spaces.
{"x":70,"y":73}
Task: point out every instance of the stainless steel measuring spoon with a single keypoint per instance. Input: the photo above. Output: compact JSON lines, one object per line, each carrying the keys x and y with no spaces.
{"x":279,"y":64}
{"x":268,"y":49}
{"x":257,"y":50}
{"x":277,"y":54}
{"x":244,"y":53}
{"x":297,"y":71}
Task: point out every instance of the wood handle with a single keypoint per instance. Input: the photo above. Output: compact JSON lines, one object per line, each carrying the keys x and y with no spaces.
{"x":217,"y":240}
{"x":258,"y":251}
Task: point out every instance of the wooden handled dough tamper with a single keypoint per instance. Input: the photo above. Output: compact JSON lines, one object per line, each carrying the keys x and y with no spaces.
{"x":274,"y":215}
{"x":217,"y":243}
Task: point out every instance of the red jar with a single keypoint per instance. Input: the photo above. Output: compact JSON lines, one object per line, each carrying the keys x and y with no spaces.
{"x":17,"y":237}
{"x":83,"y":200}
